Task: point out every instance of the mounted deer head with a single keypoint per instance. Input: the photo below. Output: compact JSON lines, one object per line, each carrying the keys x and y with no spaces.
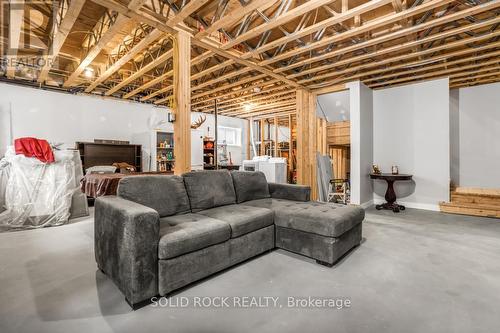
{"x":198,"y":122}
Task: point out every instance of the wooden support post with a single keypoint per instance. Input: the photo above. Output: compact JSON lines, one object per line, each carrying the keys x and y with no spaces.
{"x":262,"y":138}
{"x":248,"y":137}
{"x":182,"y":102}
{"x":322,"y":141}
{"x":306,"y":140}
{"x":275,"y":136}
{"x":290,"y":148}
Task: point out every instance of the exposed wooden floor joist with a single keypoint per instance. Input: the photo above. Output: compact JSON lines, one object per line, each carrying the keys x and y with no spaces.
{"x":252,"y":57}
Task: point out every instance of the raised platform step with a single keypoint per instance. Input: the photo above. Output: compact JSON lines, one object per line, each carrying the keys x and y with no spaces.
{"x":480,"y":199}
{"x":473,"y":201}
{"x":470,"y":209}
{"x":477,"y":191}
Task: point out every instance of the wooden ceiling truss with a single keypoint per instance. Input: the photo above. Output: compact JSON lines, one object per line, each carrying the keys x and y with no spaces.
{"x":251,"y":55}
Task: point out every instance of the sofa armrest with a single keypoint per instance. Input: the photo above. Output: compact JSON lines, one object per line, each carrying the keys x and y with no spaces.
{"x":290,"y":192}
{"x":126,"y":236}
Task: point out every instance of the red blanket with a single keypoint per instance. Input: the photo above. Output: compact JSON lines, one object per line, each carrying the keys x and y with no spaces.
{"x":32,"y":147}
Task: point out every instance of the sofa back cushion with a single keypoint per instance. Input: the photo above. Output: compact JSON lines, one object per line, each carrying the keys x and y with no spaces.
{"x":250,"y":185}
{"x":165,"y":194}
{"x":209,"y":189}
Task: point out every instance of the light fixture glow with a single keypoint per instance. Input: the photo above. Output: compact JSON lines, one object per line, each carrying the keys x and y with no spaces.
{"x":89,"y":73}
{"x":248,"y":107}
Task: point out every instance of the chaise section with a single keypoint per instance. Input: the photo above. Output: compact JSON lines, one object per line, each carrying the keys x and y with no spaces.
{"x":181,"y":234}
{"x":126,"y":236}
{"x":326,"y":219}
{"x":323,"y":231}
{"x":242,"y":219}
{"x":326,"y":250}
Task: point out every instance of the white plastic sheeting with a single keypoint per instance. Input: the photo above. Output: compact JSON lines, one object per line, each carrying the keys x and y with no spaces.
{"x":37,"y":194}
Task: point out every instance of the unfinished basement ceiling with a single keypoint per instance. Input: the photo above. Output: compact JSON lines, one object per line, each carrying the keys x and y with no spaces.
{"x":252,"y":55}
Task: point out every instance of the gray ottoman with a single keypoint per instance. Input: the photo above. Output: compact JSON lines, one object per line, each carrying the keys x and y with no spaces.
{"x":322,"y":231}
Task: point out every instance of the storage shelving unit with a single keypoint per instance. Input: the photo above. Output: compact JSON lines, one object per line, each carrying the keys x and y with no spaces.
{"x":165,"y":151}
{"x":209,"y":154}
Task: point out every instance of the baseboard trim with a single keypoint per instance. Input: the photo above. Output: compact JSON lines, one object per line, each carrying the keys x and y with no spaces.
{"x":416,"y":205}
{"x":367,"y":204}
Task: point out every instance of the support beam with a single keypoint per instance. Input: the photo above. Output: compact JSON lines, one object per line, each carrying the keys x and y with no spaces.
{"x":262,"y":137}
{"x":365,"y":28}
{"x":163,"y":77}
{"x":120,"y":22}
{"x":276,"y":22}
{"x":144,"y":43}
{"x":182,"y":102}
{"x":395,"y":35}
{"x":233,"y":17}
{"x":204,"y":43}
{"x":150,"y":66}
{"x":338,"y":19}
{"x":185,"y":11}
{"x":306,"y":140}
{"x":382,"y":52}
{"x":248,"y":139}
{"x":443,"y":58}
{"x":276,"y":125}
{"x":290,"y":148}
{"x":60,"y":36}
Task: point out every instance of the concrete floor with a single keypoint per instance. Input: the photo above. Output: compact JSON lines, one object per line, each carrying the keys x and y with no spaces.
{"x":416,"y":271}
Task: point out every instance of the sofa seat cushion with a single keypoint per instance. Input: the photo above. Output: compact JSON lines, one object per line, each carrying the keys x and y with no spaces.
{"x":181,"y":234}
{"x":250,"y":185}
{"x":209,"y":189}
{"x":165,"y":194}
{"x":326,"y":219}
{"x":242,"y":219}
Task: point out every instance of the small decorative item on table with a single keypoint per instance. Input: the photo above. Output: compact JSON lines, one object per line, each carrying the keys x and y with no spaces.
{"x":395,"y":170}
{"x":376,"y":169}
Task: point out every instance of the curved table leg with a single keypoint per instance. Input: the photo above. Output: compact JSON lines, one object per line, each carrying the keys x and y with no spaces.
{"x":390,"y":197}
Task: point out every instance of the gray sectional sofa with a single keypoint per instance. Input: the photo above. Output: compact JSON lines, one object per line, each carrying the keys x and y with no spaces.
{"x":161,"y":233}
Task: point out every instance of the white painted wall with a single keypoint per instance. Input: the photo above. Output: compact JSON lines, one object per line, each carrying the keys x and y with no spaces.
{"x":476,"y":160}
{"x":411,"y":129}
{"x":66,"y":118}
{"x":361,"y":114}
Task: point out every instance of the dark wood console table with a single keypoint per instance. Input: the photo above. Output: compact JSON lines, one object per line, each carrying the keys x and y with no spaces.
{"x":390,"y":195}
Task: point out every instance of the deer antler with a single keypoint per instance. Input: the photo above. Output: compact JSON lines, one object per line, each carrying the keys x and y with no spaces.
{"x":198,"y":122}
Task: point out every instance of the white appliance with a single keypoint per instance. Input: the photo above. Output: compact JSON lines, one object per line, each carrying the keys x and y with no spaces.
{"x":253,"y":164}
{"x":274,"y":169}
